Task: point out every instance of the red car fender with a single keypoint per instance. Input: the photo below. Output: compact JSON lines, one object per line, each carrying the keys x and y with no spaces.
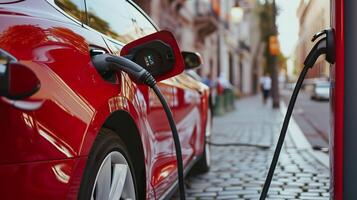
{"x":130,"y":102}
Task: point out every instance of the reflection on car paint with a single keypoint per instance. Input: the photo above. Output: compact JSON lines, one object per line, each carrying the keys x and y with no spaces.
{"x":60,"y":172}
{"x":56,"y":142}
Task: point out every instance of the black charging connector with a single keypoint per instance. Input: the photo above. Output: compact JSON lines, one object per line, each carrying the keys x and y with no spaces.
{"x":107,"y":62}
{"x":325,"y":45}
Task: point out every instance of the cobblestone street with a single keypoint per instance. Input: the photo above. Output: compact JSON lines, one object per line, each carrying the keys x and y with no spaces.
{"x":238,"y":172}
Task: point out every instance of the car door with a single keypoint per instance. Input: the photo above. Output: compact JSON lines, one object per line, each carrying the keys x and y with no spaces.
{"x":187,"y":114}
{"x":124,"y":23}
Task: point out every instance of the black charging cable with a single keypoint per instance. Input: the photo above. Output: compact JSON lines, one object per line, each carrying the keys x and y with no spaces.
{"x":105,"y":63}
{"x":180,"y":171}
{"x":325,"y":46}
{"x":283,"y":133}
{"x":217,"y":144}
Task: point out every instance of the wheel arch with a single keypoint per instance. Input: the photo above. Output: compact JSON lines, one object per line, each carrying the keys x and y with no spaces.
{"x":122,"y":123}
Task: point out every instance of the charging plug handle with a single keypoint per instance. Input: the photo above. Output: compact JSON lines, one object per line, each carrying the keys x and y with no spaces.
{"x":107,"y":62}
{"x":317,"y":50}
{"x":325,"y":45}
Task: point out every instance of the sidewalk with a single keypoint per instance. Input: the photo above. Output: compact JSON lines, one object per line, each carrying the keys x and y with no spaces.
{"x":239,"y":172}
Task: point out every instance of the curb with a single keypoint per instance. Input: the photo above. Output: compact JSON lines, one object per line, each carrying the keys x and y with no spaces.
{"x":300,"y":141}
{"x":294,"y":131}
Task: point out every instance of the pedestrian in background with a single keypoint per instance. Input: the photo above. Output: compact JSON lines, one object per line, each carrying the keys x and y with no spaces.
{"x":265,"y":85}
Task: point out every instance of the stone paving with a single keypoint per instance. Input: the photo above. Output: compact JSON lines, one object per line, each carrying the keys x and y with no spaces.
{"x":238,"y":172}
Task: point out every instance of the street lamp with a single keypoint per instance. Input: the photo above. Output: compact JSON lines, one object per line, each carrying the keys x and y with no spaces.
{"x":237,"y":13}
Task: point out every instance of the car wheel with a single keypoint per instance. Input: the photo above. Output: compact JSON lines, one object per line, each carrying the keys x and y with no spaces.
{"x":109,"y":173}
{"x":204,"y":162}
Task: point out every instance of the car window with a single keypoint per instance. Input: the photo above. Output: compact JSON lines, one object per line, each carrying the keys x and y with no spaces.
{"x":142,"y":24}
{"x":75,"y":8}
{"x":113,"y":18}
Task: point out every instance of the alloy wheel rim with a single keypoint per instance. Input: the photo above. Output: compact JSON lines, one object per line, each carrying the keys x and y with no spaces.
{"x":114,"y":179}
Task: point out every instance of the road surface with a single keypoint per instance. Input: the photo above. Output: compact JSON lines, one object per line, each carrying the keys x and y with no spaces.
{"x":238,"y":170}
{"x":313,"y":117}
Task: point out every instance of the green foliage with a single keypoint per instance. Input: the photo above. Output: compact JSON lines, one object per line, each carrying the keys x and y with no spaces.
{"x":267,"y":21}
{"x":70,"y":8}
{"x":267,"y":15}
{"x":282,"y":61}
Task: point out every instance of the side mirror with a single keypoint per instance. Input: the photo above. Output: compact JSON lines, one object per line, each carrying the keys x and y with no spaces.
{"x":192,"y":59}
{"x":16,"y":80}
{"x":158,"y":53}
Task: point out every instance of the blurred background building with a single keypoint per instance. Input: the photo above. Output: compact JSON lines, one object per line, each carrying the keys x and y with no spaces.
{"x":225,"y":32}
{"x":314,"y":16}
{"x":230,"y":37}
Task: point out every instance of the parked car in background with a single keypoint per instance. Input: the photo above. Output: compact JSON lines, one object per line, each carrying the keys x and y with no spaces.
{"x":321,"y":91}
{"x":81,"y":134}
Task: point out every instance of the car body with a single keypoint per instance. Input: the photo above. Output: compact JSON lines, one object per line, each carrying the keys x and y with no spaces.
{"x":210,"y":84}
{"x":45,"y":139}
{"x":321,"y":91}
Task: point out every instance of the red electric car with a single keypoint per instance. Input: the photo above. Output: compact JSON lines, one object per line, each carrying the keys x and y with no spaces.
{"x":68,"y":131}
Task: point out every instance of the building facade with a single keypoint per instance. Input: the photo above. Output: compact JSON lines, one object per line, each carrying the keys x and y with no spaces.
{"x":228,"y":47}
{"x":314,"y":16}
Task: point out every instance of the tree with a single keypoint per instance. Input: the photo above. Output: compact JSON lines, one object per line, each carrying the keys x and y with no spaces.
{"x":268,"y":29}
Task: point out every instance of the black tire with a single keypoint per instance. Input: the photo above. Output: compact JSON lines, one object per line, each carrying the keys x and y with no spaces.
{"x":203,"y":163}
{"x":201,"y":166}
{"x":106,"y":142}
